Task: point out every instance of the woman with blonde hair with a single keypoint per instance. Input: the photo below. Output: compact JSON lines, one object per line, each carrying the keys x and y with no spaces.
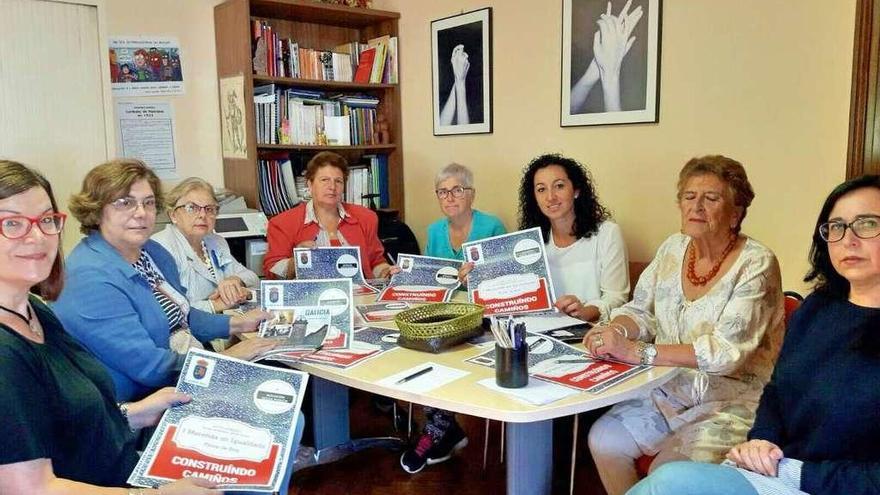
{"x":213,"y":279}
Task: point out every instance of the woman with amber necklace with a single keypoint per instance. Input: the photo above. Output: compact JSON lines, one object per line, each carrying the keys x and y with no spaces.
{"x":710,"y":303}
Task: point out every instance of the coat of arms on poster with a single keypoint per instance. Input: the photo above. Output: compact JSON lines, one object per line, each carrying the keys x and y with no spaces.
{"x":232,"y":117}
{"x":145,"y":66}
{"x":610,"y":61}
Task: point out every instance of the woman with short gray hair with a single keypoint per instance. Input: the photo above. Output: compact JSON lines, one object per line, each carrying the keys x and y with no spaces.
{"x":442,"y":436}
{"x":454,"y":187}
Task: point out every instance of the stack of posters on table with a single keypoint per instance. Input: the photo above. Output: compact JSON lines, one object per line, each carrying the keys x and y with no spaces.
{"x":383,"y":311}
{"x":510,"y":273}
{"x":422,"y":279}
{"x":307,"y":315}
{"x":368,"y":343}
{"x":557,"y":362}
{"x":332,"y":262}
{"x":237,"y":431}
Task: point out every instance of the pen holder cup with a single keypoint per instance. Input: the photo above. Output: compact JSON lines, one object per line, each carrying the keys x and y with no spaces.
{"x":511,"y":366}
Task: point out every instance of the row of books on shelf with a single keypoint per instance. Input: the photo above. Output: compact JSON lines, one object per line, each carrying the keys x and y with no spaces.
{"x":372,"y":62}
{"x":281,"y":188}
{"x":306,"y":117}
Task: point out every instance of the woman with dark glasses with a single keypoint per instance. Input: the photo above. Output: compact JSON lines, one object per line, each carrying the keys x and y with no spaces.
{"x":818,"y":425}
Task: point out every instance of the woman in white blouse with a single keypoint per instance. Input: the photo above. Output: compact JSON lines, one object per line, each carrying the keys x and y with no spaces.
{"x":710,"y":303}
{"x":585,"y":249}
{"x":213,"y":279}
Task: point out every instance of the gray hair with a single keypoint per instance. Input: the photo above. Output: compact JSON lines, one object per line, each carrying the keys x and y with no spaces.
{"x":457,"y":171}
{"x":185,"y":187}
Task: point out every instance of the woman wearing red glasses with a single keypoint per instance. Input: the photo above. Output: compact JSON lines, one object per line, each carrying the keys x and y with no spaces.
{"x":57,"y":401}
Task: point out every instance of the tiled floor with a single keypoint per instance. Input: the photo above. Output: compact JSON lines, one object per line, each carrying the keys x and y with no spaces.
{"x":378,"y":471}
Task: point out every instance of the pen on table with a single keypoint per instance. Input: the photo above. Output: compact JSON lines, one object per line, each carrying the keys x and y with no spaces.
{"x":414,"y":375}
{"x":535,"y":343}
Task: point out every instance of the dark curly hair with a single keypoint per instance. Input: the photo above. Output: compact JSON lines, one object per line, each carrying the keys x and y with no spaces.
{"x":588,"y":212}
{"x":826,"y":281}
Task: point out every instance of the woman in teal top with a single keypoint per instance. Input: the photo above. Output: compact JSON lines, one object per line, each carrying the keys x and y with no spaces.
{"x":454,"y":186}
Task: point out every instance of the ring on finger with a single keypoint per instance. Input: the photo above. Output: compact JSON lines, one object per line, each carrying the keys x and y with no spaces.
{"x":598,"y":341}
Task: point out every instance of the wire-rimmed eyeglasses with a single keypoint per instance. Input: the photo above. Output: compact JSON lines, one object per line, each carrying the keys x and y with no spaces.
{"x":457,"y":192}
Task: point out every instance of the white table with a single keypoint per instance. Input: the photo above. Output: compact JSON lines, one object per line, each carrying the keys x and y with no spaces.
{"x":529,"y":433}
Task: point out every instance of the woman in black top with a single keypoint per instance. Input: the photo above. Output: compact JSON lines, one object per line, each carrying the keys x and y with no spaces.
{"x":64,"y":431}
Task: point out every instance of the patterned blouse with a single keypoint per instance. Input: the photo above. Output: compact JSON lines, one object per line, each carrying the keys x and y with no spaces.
{"x":736,"y":330}
{"x":147,"y":269}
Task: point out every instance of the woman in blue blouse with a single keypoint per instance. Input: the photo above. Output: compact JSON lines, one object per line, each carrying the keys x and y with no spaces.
{"x":122,"y":297}
{"x":454,"y":186}
{"x":455,"y":191}
{"x":817,"y":427}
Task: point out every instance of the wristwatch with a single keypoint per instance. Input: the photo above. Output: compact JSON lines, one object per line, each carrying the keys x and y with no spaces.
{"x":647,"y":352}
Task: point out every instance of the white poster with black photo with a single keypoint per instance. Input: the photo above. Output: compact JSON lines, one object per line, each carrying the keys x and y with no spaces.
{"x":237,"y":431}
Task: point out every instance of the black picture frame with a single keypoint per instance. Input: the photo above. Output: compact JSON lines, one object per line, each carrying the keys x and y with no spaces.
{"x":627,"y":89}
{"x":462,"y":40}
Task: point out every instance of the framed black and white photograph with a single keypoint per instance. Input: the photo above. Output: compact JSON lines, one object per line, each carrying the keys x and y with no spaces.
{"x":461,"y":61}
{"x":610,"y":61}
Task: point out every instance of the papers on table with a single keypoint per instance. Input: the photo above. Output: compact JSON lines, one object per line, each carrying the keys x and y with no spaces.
{"x":332,"y":262}
{"x":422,"y":279}
{"x":438,"y":376}
{"x":510,"y":273}
{"x":369,"y":343}
{"x":549,"y":320}
{"x":384,"y":311}
{"x":308,"y":313}
{"x":537,"y":392}
{"x":236,"y":431}
{"x":557,"y":362}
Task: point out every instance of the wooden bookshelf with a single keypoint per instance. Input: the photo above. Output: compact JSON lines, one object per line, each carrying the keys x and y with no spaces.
{"x":312,"y":25}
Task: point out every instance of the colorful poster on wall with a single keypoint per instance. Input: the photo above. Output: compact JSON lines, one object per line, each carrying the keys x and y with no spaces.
{"x":145,"y":66}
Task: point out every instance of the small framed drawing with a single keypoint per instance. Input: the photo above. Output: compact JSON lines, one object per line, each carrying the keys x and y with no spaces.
{"x":610,"y":61}
{"x":461,"y":62}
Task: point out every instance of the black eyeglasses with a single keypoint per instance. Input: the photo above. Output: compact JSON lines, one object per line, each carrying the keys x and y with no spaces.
{"x":194,"y":209}
{"x":456,"y":192}
{"x":866,"y":227}
{"x":18,"y":226}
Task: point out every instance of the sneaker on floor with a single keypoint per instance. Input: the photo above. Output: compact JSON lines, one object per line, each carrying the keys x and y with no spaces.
{"x":428,"y":451}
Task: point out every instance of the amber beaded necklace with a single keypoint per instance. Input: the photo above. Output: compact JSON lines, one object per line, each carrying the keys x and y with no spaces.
{"x":701,"y":280}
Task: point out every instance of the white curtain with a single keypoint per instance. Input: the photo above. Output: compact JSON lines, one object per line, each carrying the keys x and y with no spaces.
{"x":52,"y":114}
